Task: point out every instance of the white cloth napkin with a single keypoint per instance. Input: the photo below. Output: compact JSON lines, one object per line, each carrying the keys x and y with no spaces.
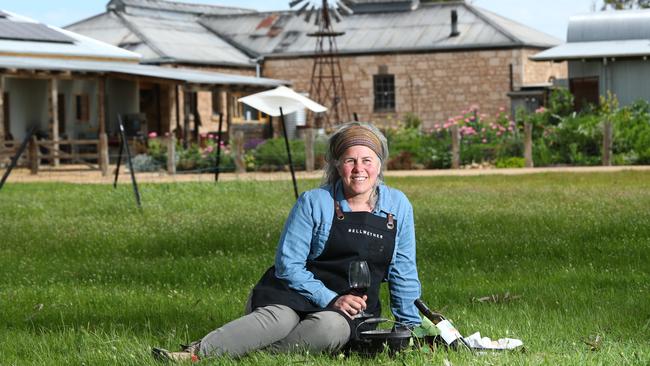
{"x":477,"y":342}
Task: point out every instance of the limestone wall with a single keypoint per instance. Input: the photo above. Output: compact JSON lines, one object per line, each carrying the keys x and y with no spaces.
{"x":435,"y":86}
{"x":538,"y":72}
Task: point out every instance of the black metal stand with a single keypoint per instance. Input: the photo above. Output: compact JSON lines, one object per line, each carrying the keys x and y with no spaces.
{"x":356,"y":117}
{"x":119,"y":162}
{"x":286,"y":142}
{"x":125,"y":145}
{"x":216,"y":169}
{"x":14,"y":159}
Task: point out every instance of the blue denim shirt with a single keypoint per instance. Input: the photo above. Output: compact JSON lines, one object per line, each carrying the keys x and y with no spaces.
{"x":308,"y":227}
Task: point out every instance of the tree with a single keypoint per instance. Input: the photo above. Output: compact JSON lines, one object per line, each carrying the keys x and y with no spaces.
{"x":625,"y":4}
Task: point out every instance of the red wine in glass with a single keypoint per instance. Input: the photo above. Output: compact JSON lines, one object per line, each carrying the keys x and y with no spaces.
{"x":359,"y":281}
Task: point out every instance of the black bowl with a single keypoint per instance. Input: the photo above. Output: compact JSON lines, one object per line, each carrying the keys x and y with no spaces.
{"x":372,"y":342}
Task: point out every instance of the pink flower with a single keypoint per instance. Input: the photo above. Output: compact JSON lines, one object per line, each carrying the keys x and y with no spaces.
{"x":467,"y":131}
{"x":510,"y":128}
{"x":210,"y":136}
{"x":152,"y":135}
{"x":502,"y":109}
{"x":484,"y":141}
{"x":498,"y":133}
{"x":540,"y":110}
{"x":436,"y":126}
{"x":209,"y":149}
{"x":467,"y":120}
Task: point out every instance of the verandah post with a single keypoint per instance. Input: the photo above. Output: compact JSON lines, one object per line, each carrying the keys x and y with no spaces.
{"x":455,"y":147}
{"x":528,"y":145}
{"x":309,"y":149}
{"x":171,"y":154}
{"x":34,"y":159}
{"x":607,"y":143}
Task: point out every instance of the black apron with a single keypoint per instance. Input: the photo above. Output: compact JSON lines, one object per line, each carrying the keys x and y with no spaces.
{"x":353,"y":236}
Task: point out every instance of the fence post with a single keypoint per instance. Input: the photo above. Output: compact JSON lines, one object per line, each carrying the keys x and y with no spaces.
{"x":239,"y":152}
{"x":528,"y":145}
{"x":103,"y":153}
{"x":455,"y":147}
{"x":309,"y":149}
{"x":34,"y":159}
{"x":607,"y":143}
{"x":171,"y":154}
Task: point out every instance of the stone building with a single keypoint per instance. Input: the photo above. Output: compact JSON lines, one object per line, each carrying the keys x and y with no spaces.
{"x":396,"y":56}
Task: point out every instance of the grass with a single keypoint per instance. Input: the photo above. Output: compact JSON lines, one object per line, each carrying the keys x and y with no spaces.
{"x":86,"y":278}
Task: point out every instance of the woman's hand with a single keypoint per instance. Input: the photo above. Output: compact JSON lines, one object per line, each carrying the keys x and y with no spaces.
{"x":351,"y":305}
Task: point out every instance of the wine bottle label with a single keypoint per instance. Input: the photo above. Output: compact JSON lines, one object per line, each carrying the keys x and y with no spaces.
{"x":448,"y":332}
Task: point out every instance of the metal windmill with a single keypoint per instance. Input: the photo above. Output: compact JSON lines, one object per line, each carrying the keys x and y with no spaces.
{"x":326,"y":79}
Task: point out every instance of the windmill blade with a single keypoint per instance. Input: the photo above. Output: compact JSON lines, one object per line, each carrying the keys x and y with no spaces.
{"x":318,"y":17}
{"x":293,"y":3}
{"x":309,"y":12}
{"x":344,"y":9}
{"x":335,"y":14}
{"x":302,"y":9}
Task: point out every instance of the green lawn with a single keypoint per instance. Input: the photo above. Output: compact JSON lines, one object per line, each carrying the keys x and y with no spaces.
{"x":86,"y":278}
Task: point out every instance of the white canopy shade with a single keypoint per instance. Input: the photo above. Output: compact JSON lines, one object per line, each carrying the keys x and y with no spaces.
{"x":271,"y":101}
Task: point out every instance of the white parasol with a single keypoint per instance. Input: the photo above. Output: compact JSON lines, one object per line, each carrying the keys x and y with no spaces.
{"x":271,"y":101}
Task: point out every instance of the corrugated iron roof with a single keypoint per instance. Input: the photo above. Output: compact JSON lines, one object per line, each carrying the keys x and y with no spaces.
{"x":591,"y":50}
{"x":379,"y":6}
{"x":163,"y":40}
{"x":186,"y":42}
{"x":427,"y":28}
{"x":81,"y":46}
{"x":163,"y":7}
{"x":609,"y":26}
{"x":621,"y":33}
{"x":177,"y":74}
{"x":235,"y":38}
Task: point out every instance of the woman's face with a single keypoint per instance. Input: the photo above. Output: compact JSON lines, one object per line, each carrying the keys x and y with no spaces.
{"x":358,"y":167}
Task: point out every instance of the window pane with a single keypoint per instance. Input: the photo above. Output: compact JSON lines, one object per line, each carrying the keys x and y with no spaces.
{"x":384,"y":88}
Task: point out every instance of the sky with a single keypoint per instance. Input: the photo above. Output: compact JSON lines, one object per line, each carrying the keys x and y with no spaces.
{"x":550,"y":16}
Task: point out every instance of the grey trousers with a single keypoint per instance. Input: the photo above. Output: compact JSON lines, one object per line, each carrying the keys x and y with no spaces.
{"x":278,"y":328}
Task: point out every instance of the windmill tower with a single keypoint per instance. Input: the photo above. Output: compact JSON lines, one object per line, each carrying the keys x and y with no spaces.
{"x":327,"y":86}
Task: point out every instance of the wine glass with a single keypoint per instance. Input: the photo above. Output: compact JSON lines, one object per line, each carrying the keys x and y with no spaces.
{"x":359,"y":280}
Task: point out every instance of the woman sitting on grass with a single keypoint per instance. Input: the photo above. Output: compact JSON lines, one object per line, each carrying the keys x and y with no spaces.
{"x":305,"y":301}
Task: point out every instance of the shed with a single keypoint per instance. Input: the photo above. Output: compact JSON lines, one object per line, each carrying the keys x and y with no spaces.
{"x":606,"y":51}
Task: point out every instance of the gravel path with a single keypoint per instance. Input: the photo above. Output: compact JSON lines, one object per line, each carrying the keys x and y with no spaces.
{"x":80,"y":174}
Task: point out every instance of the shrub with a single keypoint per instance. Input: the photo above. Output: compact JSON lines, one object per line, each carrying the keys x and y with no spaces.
{"x":272,"y":154}
{"x":145,"y":163}
{"x":157,"y":150}
{"x":632,"y":133}
{"x":512,"y":162}
{"x":188,"y":159}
